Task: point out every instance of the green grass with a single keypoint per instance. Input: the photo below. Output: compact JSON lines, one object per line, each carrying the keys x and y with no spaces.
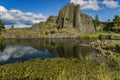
{"x":60,"y":69}
{"x":1,"y":38}
{"x":113,"y":43}
{"x":97,"y":35}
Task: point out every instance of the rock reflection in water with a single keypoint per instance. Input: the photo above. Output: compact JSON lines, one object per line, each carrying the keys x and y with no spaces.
{"x":21,"y":50}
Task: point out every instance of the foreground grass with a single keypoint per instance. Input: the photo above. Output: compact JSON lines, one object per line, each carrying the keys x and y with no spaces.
{"x":61,"y":69}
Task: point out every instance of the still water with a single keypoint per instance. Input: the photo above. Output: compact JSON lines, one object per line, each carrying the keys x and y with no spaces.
{"x":12,"y":50}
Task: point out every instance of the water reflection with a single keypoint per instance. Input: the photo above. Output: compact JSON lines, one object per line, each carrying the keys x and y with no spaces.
{"x":2,"y":46}
{"x":20,"y":50}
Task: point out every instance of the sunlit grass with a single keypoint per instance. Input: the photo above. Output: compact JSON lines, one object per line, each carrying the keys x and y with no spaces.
{"x":61,"y":69}
{"x":1,"y":38}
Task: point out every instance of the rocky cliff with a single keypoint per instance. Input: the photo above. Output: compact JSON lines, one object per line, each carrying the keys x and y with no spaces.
{"x":70,"y":16}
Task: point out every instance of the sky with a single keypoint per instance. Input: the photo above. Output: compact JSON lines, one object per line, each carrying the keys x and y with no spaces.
{"x":25,"y":13}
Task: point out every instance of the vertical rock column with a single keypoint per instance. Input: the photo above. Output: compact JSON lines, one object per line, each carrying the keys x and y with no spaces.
{"x":77,"y":19}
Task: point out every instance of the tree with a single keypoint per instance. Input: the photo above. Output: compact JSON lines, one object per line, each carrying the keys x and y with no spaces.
{"x":96,"y":21}
{"x":2,"y":25}
{"x":116,"y":20}
{"x":108,"y":25}
{"x":108,"y":20}
{"x":12,"y":26}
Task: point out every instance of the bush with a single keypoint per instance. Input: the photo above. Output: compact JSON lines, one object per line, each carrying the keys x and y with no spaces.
{"x":52,"y":31}
{"x":102,"y":36}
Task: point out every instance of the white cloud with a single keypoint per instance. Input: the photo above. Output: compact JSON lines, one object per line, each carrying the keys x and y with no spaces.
{"x":94,"y":4}
{"x":111,"y":3}
{"x":2,"y":9}
{"x":87,"y":4}
{"x":19,"y":18}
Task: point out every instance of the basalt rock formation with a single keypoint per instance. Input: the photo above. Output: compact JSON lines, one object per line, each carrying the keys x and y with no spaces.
{"x":50,"y":23}
{"x":70,"y":16}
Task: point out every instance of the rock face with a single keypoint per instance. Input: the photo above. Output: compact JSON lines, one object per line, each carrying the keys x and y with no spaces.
{"x":70,"y":16}
{"x":50,"y":23}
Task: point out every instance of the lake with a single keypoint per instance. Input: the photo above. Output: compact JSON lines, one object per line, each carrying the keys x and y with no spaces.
{"x":13,"y":50}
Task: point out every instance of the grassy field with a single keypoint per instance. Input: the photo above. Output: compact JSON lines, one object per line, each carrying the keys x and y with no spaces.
{"x":62,"y":69}
{"x":114,"y":45}
{"x":97,"y":35}
{"x":70,"y":32}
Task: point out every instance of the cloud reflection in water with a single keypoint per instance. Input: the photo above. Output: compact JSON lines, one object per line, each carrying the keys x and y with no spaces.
{"x":16,"y":52}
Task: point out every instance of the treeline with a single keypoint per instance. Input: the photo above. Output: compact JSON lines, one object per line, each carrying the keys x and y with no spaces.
{"x":113,"y":25}
{"x":109,"y":25}
{"x":116,"y":21}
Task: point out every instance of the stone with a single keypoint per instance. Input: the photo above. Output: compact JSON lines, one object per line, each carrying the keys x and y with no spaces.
{"x":38,"y":26}
{"x":66,"y":16}
{"x":70,"y":16}
{"x":51,"y":21}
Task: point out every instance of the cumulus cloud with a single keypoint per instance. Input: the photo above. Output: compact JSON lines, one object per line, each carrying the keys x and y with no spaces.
{"x":19,"y":18}
{"x":94,"y":4}
{"x":111,"y":3}
{"x":87,"y":4}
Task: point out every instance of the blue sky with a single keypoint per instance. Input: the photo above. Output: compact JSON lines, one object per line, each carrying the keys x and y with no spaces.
{"x":22,"y":13}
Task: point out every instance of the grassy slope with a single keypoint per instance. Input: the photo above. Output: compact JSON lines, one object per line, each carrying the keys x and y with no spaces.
{"x":17,"y":33}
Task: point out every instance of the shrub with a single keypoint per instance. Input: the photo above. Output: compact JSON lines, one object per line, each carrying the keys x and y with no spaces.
{"x":52,"y":31}
{"x":102,"y":36}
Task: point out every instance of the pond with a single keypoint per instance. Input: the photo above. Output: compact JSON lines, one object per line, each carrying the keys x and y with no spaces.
{"x":12,"y":50}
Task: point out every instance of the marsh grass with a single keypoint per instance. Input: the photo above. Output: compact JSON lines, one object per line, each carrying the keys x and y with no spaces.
{"x":61,"y":69}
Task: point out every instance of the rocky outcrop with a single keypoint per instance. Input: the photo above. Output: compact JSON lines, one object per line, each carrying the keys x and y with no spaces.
{"x":38,"y":26}
{"x":70,"y":16}
{"x":50,"y":23}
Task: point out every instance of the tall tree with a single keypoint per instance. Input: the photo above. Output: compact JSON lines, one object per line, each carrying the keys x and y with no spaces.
{"x":96,"y":21}
{"x":108,"y":20}
{"x":12,"y":26}
{"x":2,"y":25}
{"x":116,"y":20}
